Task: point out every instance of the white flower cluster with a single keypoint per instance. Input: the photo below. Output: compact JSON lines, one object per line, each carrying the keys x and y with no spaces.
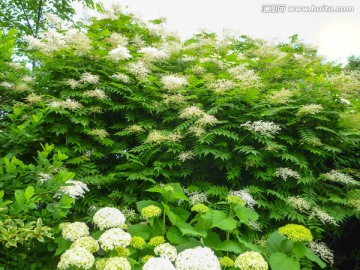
{"x":77,"y":40}
{"x":254,"y":225}
{"x":101,"y":133}
{"x":222,"y":85}
{"x":322,"y":216}
{"x":268,"y":50}
{"x":183,"y":156}
{"x":348,"y":82}
{"x":135,"y":129}
{"x":196,"y":130}
{"x":310,"y":109}
{"x":129,"y":213}
{"x":158,"y":137}
{"x":207,"y":119}
{"x":248,"y":78}
{"x":152,"y":54}
{"x":109,"y":217}
{"x":117,"y":39}
{"x":339,"y":177}
{"x":43,"y":177}
{"x":158,"y":264}
{"x":74,"y":231}
{"x":172,"y":82}
{"x":113,"y":263}
{"x":119,"y":53}
{"x":66,"y":104}
{"x":121,"y":77}
{"x":176,"y":99}
{"x":7,"y":85}
{"x":72,"y":83}
{"x":323,"y":251}
{"x":198,"y":258}
{"x":55,"y":21}
{"x":284,"y":173}
{"x":299,"y":204}
{"x":191,"y":112}
{"x":245,"y":195}
{"x":75,"y":190}
{"x":139,"y":69}
{"x":282,"y":96}
{"x":87,"y":242}
{"x":344,"y":101}
{"x":54,"y":41}
{"x":87,"y":77}
{"x":28,"y":79}
{"x":305,"y":207}
{"x":166,"y":250}
{"x":196,"y":197}
{"x":97,"y":93}
{"x":77,"y":257}
{"x":114,"y":238}
{"x":268,"y":129}
{"x":251,"y":260}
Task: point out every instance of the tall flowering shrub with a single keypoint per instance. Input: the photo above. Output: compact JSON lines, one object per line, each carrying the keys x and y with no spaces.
{"x":254,"y":125}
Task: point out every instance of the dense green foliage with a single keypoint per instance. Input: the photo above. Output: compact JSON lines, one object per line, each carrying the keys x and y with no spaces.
{"x":144,"y":118}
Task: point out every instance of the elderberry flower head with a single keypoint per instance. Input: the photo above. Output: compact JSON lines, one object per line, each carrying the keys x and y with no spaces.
{"x":75,"y":189}
{"x":268,"y":129}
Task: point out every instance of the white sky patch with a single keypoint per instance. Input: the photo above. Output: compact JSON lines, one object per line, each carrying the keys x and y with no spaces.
{"x":336,"y":34}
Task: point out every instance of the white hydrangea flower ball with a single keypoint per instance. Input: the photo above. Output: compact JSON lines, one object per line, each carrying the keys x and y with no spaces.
{"x":117,"y":263}
{"x":166,"y":250}
{"x":198,"y":258}
{"x":74,"y":231}
{"x":158,"y":264}
{"x":109,"y":217}
{"x":113,"y":238}
{"x":78,"y":256}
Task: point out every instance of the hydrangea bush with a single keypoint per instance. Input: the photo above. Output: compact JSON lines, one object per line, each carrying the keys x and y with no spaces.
{"x":234,"y":147}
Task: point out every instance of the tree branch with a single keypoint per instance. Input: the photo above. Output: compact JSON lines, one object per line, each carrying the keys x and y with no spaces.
{"x":26,"y":17}
{"x":38,"y":18}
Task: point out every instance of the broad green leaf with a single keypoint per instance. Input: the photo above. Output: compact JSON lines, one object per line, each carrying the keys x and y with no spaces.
{"x":227,"y":224}
{"x":142,"y":230}
{"x":29,"y":192}
{"x":274,"y":242}
{"x":281,"y":261}
{"x":172,"y":217}
{"x":245,"y":214}
{"x":20,"y":196}
{"x":187,"y":229}
{"x":174,"y":236}
{"x":313,"y":257}
{"x":230,"y":246}
{"x":299,"y":249}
